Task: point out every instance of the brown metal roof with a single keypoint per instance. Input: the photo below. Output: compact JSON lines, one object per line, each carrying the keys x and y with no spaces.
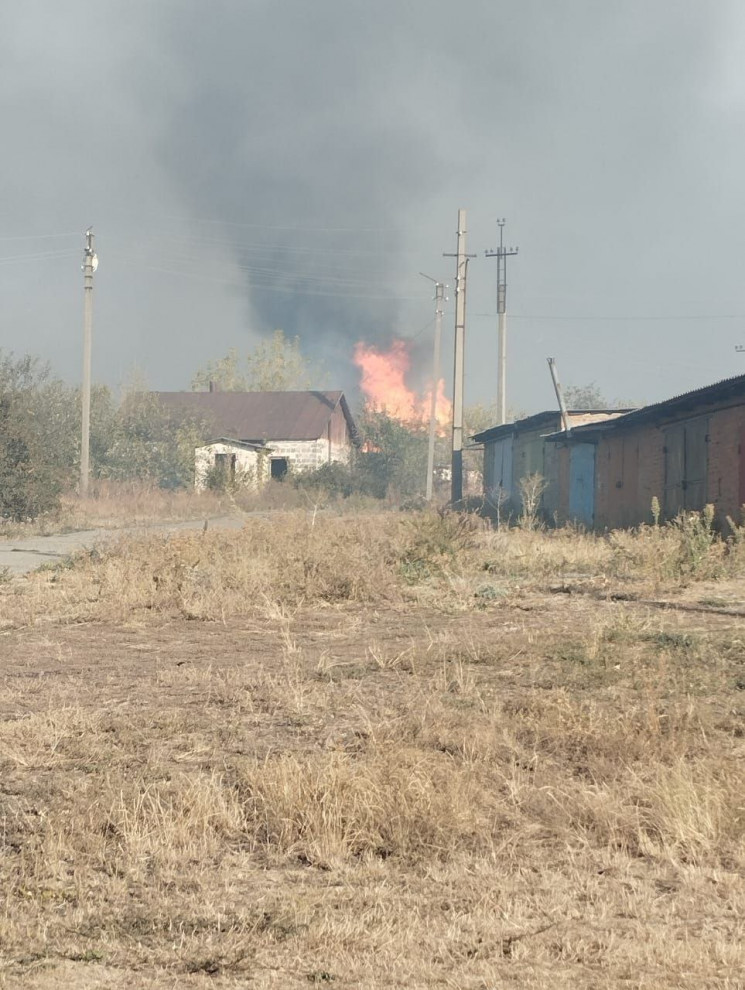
{"x":539,"y":421}
{"x":258,"y":416}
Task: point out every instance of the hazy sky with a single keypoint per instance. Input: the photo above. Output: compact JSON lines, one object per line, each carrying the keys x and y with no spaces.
{"x":252,"y":164}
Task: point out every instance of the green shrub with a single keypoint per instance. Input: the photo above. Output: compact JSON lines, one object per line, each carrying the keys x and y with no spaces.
{"x":434,"y":542}
{"x":38,"y":443}
{"x":335,"y":480}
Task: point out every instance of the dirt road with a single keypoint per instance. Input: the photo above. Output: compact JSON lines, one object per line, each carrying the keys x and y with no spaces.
{"x":22,"y":556}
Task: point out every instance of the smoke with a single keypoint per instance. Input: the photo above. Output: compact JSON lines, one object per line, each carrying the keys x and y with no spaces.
{"x":279,"y":163}
{"x":294,"y":133}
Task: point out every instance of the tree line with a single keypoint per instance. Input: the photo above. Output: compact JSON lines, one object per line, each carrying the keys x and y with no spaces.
{"x":133,"y":438}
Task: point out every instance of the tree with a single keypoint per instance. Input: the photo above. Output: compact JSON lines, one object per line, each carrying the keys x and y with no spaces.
{"x":150,"y":443}
{"x":590,"y":397}
{"x":29,"y":483}
{"x":40,"y":418}
{"x":37,"y":447}
{"x":274,"y":365}
{"x":394,"y":455}
{"x":584,"y":397}
{"x":479,"y":417}
{"x":104,"y":422}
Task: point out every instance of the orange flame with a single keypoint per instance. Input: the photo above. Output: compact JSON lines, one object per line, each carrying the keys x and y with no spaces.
{"x":384,"y":386}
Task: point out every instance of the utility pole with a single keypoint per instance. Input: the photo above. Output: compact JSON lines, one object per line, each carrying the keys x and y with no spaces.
{"x":502,"y":254}
{"x":559,"y":394}
{"x":439,"y":305}
{"x":90,"y":264}
{"x":461,"y":271}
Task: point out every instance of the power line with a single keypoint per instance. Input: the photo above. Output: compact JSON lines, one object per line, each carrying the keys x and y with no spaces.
{"x":287,"y":274}
{"x":40,"y":256}
{"x":318,"y":274}
{"x":621,"y":319}
{"x":415,"y":336}
{"x":265,"y":246}
{"x":258,"y":286}
{"x":37,"y":237}
{"x":293,"y":227}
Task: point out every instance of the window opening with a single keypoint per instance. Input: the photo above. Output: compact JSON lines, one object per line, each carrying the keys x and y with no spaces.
{"x":279,"y":468}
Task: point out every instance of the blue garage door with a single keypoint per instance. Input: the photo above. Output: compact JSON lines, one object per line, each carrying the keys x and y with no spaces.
{"x":582,"y":483}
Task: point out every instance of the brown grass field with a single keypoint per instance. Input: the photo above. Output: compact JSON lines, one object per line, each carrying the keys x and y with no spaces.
{"x":394,"y":750}
{"x":120,"y":504}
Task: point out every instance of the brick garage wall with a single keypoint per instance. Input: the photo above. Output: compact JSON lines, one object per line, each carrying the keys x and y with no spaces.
{"x":604,"y":459}
{"x":642,"y":474}
{"x":723,"y":454}
{"x":651,"y":476}
{"x":726,"y":431}
{"x":629,"y":471}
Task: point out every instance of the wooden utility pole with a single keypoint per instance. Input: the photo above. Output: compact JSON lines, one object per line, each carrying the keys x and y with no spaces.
{"x":461,"y":271}
{"x":439,"y":302}
{"x":501,"y":254}
{"x":90,"y":263}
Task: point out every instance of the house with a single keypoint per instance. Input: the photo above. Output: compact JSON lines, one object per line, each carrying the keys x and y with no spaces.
{"x":686,"y":452}
{"x":267,"y":434}
{"x":515,"y":451}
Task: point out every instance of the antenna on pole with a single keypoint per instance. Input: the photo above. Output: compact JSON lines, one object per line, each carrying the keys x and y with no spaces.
{"x":439,"y":300}
{"x":502,"y":254}
{"x":90,"y":264}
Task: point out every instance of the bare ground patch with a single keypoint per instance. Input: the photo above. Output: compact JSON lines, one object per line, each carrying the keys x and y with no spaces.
{"x":457,"y":768}
{"x":375,"y":799}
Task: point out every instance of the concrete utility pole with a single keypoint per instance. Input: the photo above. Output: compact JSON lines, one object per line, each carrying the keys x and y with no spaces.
{"x":90,"y":264}
{"x":439,"y":307}
{"x":461,"y":270}
{"x":502,"y":254}
{"x":559,"y":394}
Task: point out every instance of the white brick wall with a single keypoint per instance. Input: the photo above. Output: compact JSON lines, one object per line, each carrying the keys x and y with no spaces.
{"x":249,"y":464}
{"x":301,"y":455}
{"x":307,"y":455}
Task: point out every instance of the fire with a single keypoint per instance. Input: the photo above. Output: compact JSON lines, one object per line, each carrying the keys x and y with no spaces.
{"x":384,"y":386}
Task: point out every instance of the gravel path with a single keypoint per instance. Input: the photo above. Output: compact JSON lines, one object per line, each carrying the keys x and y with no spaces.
{"x":22,"y":556}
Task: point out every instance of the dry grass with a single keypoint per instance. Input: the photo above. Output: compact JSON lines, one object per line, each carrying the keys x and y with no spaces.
{"x":128,"y":504}
{"x":393,"y":751}
{"x":116,"y":505}
{"x":288,"y":559}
